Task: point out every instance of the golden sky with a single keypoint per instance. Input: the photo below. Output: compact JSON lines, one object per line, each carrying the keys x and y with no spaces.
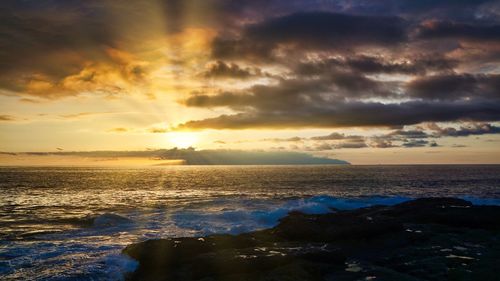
{"x":367,"y":82}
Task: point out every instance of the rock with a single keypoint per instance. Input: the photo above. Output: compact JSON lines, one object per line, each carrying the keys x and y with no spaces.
{"x":423,"y":239}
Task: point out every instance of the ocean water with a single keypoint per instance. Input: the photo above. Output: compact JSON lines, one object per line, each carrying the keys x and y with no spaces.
{"x":72,"y":223}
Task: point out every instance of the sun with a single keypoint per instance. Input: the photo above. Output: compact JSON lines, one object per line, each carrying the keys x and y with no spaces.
{"x":183,"y":140}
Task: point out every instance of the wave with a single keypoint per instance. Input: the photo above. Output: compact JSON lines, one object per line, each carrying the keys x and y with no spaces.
{"x":243,"y":216}
{"x":118,"y":265}
{"x":109,"y":219}
{"x":103,"y":220}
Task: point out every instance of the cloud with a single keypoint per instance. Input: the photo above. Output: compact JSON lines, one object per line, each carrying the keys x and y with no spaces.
{"x":349,"y":143}
{"x":433,"y":144}
{"x":328,"y":64}
{"x":269,"y":97}
{"x":83,"y":114}
{"x":415,"y":143}
{"x":455,"y":86}
{"x":324,"y":29}
{"x":449,"y":9}
{"x":332,"y":136}
{"x":381,"y":142}
{"x":220,"y":69}
{"x":410,"y":134}
{"x":312,"y":30}
{"x":447,"y":29}
{"x":158,"y":130}
{"x":352,"y":143}
{"x":4,"y":117}
{"x":420,"y":136}
{"x":118,"y":130}
{"x":33,"y":41}
{"x":469,"y":129}
{"x":324,"y":146}
{"x":298,"y":92}
{"x":56,"y":49}
{"x":292,"y":139}
{"x":363,"y":64}
{"x":323,"y":114}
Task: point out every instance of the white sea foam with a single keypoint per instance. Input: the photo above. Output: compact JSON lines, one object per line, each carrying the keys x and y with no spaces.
{"x":118,"y":265}
{"x":243,"y":216}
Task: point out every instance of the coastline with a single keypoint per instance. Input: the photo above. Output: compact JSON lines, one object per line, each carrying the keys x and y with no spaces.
{"x":422,"y":239}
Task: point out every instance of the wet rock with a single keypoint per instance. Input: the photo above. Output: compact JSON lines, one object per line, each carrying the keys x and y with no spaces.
{"x":423,"y":239}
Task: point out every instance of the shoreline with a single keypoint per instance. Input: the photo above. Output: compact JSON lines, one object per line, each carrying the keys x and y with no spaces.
{"x":422,"y":239}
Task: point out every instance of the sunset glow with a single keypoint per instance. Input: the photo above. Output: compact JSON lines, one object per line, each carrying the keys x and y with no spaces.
{"x":183,"y":140}
{"x":119,"y":76}
{"x":246,"y":140}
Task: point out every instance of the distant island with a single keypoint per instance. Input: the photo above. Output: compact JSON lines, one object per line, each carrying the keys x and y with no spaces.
{"x":190,"y":156}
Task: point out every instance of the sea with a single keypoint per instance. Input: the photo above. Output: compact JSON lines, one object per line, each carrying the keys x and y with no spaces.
{"x":71,"y":223}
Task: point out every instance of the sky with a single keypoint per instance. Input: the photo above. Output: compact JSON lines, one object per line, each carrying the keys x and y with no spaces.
{"x":370,"y":82}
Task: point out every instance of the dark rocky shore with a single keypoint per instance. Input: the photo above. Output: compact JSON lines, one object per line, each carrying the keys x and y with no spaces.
{"x":424,"y":239}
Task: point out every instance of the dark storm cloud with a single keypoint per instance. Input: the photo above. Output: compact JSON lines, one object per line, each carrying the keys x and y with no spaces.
{"x":38,"y":27}
{"x":419,"y":65}
{"x":352,"y":114}
{"x":323,"y":29}
{"x":455,"y":86}
{"x":467,"y":10}
{"x":353,"y":85}
{"x":338,"y":102}
{"x":52,"y":49}
{"x":312,"y":30}
{"x":332,"y":75}
{"x":351,"y":24}
{"x":328,"y":56}
{"x":43,"y":43}
{"x":366,"y":65}
{"x":297,"y":93}
{"x":447,"y":29}
{"x":448,"y":9}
